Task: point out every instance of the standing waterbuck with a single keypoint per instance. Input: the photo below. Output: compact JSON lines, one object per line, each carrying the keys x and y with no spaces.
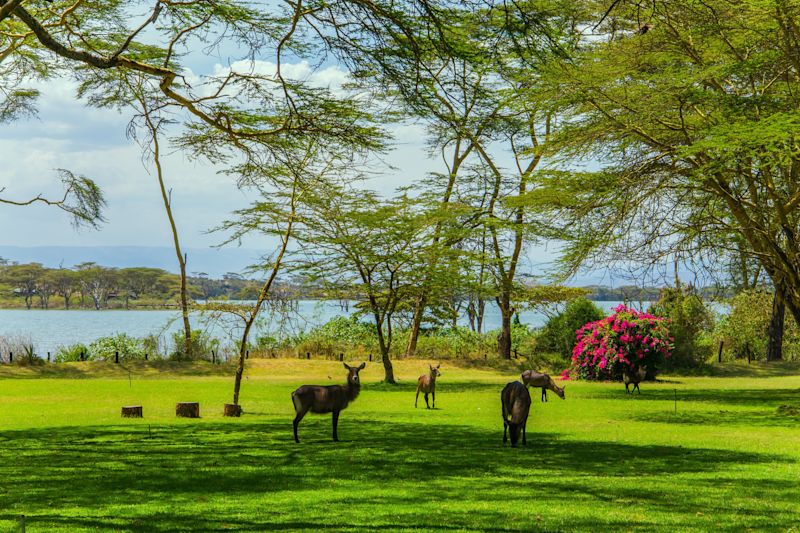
{"x":633,"y":376}
{"x":427,"y":384}
{"x":516,"y":402}
{"x":537,"y":379}
{"x":326,"y":399}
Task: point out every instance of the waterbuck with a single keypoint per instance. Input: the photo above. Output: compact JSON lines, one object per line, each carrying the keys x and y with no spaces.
{"x":537,"y":379}
{"x":633,"y":376}
{"x":326,"y":399}
{"x":516,"y":402}
{"x":427,"y":384}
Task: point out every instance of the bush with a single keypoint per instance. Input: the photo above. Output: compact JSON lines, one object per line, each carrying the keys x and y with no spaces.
{"x":69,"y":354}
{"x":745,"y":330}
{"x":558,"y":335}
{"x":627,"y":338}
{"x":201,"y":345}
{"x":688,"y":319}
{"x":104,"y":348}
{"x":22,"y":348}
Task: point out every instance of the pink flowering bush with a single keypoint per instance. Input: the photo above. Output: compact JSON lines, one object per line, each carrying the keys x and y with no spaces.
{"x":626,"y":338}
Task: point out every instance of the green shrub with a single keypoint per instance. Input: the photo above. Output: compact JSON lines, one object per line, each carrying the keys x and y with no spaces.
{"x":201,"y":344}
{"x":558,"y":335}
{"x":105,"y":348}
{"x":72,"y":353}
{"x":745,"y":330}
{"x":688,"y":318}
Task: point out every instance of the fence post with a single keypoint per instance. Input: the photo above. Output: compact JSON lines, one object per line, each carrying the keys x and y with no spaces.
{"x":10,"y":357}
{"x":116,"y":357}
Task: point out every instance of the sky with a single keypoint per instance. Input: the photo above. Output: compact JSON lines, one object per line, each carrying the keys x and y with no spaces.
{"x":68,"y":134}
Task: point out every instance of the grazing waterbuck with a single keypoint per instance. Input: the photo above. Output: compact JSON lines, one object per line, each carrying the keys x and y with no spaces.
{"x":537,"y":379}
{"x":427,"y":385}
{"x":516,"y":402}
{"x":633,"y":376}
{"x":327,"y":399}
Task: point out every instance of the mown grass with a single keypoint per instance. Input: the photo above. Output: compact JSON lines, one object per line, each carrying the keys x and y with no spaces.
{"x":697,"y":453}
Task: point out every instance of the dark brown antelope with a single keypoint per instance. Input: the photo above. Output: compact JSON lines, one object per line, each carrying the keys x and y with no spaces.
{"x":516,"y":402}
{"x":427,"y":385}
{"x":537,"y":379}
{"x":633,"y":377}
{"x":326,"y":399}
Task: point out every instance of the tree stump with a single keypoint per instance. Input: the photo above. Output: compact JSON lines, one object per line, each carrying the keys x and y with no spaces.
{"x":188,"y":409}
{"x":233,"y":410}
{"x":132,"y":411}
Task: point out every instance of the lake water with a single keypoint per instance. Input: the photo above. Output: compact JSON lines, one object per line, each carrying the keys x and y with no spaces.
{"x":48,"y":330}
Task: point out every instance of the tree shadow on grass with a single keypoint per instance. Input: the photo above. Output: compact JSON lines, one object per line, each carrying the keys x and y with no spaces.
{"x":757,"y":418}
{"x":741,"y":397}
{"x":204,"y":476}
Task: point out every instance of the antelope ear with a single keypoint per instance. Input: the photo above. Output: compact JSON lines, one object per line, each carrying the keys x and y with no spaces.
{"x":362,"y":366}
{"x":346,"y":366}
{"x":440,"y":364}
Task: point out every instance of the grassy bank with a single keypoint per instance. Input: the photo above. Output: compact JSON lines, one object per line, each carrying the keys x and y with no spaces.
{"x":710,"y":453}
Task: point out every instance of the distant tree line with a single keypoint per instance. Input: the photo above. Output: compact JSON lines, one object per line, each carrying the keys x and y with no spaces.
{"x":92,"y":286}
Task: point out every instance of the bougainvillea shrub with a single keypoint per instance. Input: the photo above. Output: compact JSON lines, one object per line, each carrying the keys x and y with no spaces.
{"x":627,"y":338}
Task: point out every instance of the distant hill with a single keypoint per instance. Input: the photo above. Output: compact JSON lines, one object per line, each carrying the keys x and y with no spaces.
{"x":214,"y":262}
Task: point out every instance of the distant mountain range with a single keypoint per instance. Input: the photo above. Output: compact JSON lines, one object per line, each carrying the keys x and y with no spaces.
{"x":212,"y":261}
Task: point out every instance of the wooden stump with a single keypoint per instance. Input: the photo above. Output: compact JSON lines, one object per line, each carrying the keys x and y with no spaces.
{"x":132,"y":411}
{"x":233,"y":410}
{"x":188,"y":409}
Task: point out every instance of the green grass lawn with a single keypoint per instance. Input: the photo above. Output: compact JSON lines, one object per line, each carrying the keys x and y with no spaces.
{"x":721,"y":458}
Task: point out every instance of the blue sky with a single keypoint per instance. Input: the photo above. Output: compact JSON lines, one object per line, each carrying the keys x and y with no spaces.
{"x":68,"y":134}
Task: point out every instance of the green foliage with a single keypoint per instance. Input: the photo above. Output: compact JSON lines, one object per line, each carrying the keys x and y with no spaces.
{"x":70,"y":354}
{"x":105,"y":348}
{"x":558,"y":334}
{"x":688,"y":319}
{"x":744,"y":331}
{"x":201,"y":345}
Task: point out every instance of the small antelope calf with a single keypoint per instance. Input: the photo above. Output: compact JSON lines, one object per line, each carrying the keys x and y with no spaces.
{"x":427,"y":384}
{"x":633,"y":377}
{"x":326,"y":399}
{"x":537,"y":379}
{"x":516,"y":402}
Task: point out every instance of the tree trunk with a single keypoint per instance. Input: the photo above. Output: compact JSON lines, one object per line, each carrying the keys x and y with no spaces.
{"x":188,"y":410}
{"x":388,"y":370}
{"x":776,"y":325}
{"x":504,"y":337}
{"x":132,"y":411}
{"x":416,"y":322}
{"x":167,"y":199}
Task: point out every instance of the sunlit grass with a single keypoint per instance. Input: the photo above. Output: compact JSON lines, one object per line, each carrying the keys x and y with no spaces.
{"x":689,"y":453}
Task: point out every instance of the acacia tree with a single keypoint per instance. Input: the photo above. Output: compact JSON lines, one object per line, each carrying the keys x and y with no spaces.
{"x":24,"y":280}
{"x":285,"y":181}
{"x":694,"y":120}
{"x":357,"y":244}
{"x":97,"y":281}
